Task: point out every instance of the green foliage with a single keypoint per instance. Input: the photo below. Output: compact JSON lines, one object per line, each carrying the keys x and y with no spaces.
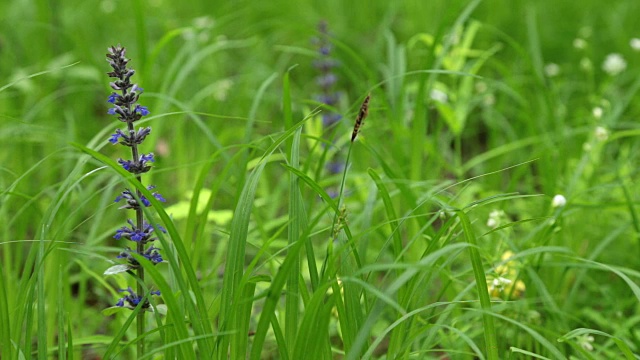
{"x":441,"y":238}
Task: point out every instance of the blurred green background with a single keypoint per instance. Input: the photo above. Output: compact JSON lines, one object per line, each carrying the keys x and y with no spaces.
{"x":534,"y":89}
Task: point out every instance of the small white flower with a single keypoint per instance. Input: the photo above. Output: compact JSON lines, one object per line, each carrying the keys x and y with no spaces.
{"x":558,"y":201}
{"x":203,"y":22}
{"x":585,"y":64}
{"x":585,"y":32}
{"x":489,"y":100}
{"x":439,"y":96}
{"x":221,"y":89}
{"x":107,"y":6}
{"x":579,"y":43}
{"x":635,"y":44}
{"x":614,"y":64}
{"x":552,"y":70}
{"x":585,"y":341}
{"x":481,"y":86}
{"x":495,"y":218}
{"x":597,"y":112}
{"x":500,"y":282}
{"x":601,"y":133}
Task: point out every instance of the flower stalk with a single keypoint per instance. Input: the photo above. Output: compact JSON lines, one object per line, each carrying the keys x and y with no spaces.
{"x":125,"y":106}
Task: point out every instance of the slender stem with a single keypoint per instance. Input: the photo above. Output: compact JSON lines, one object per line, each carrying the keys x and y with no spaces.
{"x":140,"y":250}
{"x":140,"y":289}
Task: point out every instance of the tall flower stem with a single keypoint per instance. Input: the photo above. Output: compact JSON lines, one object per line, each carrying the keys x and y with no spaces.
{"x":125,"y":107}
{"x":140,"y":328}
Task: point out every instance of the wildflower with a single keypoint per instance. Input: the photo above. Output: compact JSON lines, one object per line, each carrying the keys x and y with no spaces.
{"x":635,"y":44}
{"x":505,"y":280}
{"x":125,"y":107}
{"x":137,"y":166}
{"x":597,"y":112}
{"x":130,"y":138}
{"x":495,"y":218}
{"x":601,"y":133}
{"x":335,"y":167}
{"x":585,"y":341}
{"x":579,"y":43}
{"x":552,"y":70}
{"x":585,"y":64}
{"x":326,"y":80}
{"x":132,"y":203}
{"x":132,"y":300}
{"x":614,"y":64}
{"x":439,"y":96}
{"x":558,"y":201}
{"x":481,"y":87}
{"x":152,"y":254}
{"x":142,"y":235}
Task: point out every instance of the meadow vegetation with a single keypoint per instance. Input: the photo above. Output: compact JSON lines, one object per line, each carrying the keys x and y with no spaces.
{"x":487,"y":209}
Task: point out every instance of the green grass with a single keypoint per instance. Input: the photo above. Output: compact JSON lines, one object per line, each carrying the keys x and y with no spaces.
{"x":444,"y":243}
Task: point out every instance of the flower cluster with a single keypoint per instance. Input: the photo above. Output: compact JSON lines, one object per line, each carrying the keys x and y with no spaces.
{"x":326,"y":80}
{"x":132,"y":202}
{"x":135,"y":234}
{"x":505,"y":282}
{"x":125,"y":106}
{"x":132,"y":300}
{"x":328,"y":96}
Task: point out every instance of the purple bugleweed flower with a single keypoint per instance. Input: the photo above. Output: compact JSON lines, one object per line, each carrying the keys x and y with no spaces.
{"x":152,"y":254}
{"x":132,"y":203}
{"x":335,"y":167}
{"x":135,"y":234}
{"x":133,"y":138}
{"x":126,"y":95}
{"x":326,"y":80}
{"x":138,"y":167}
{"x":124,"y":105}
{"x":133,"y":299}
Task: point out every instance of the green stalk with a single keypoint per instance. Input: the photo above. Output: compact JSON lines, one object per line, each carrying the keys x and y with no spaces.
{"x":140,"y":249}
{"x":481,"y":285}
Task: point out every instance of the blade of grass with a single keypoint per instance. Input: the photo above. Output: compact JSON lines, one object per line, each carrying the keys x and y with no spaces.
{"x":6,"y":348}
{"x":292,"y":297}
{"x":582,"y":331}
{"x":481,"y":285}
{"x":237,"y":244}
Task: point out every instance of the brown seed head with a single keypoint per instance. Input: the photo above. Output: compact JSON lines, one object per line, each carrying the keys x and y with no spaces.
{"x":362,"y":114}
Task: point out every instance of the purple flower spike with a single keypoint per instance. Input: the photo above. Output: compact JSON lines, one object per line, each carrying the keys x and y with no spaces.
{"x":114,"y":138}
{"x":133,"y":299}
{"x":142,"y":110}
{"x":132,"y":233}
{"x":124,"y":99}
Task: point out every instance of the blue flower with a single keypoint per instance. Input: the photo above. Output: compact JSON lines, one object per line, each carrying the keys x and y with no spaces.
{"x":132,"y":203}
{"x":134,"y":138}
{"x":330,"y":118}
{"x":133,"y":299}
{"x":137,"y":167}
{"x":112,"y":98}
{"x":152,"y":254}
{"x":142,"y":110}
{"x":114,"y":138}
{"x":335,"y":167}
{"x":134,"y":234}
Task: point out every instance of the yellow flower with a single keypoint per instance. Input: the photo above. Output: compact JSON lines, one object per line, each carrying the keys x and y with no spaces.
{"x":504,"y":283}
